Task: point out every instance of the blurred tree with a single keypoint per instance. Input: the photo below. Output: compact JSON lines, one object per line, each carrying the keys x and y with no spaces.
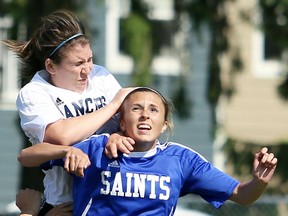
{"x":136,"y":34}
{"x":143,"y":38}
{"x":27,"y":13}
{"x":213,"y":14}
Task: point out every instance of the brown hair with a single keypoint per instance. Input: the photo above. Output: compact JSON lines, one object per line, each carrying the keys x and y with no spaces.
{"x":52,"y":31}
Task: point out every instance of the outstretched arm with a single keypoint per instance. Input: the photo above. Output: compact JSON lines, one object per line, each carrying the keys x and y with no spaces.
{"x":75,"y":160}
{"x":263,"y":169}
{"x":38,"y":154}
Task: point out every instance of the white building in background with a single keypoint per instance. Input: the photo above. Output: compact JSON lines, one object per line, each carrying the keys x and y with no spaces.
{"x":255,"y":113}
{"x":108,"y":26}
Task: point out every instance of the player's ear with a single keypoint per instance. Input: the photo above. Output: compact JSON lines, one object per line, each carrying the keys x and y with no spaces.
{"x":122,"y":125}
{"x":164,"y":127}
{"x":49,"y":66}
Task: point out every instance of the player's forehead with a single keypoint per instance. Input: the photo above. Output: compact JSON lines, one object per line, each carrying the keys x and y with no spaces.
{"x":78,"y":52}
{"x":144,"y":97}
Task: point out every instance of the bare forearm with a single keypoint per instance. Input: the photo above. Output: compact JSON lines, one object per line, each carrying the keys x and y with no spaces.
{"x":248,"y":192}
{"x":72,"y":130}
{"x":38,"y":154}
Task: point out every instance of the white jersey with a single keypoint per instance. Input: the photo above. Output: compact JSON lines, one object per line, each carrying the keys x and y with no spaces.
{"x":39,"y":103}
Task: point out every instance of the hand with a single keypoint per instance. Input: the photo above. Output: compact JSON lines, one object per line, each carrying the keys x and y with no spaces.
{"x":118,"y":142}
{"x":28,"y":201}
{"x":264,"y":165}
{"x":121,"y":94}
{"x":65,"y":209}
{"x":76,"y":161}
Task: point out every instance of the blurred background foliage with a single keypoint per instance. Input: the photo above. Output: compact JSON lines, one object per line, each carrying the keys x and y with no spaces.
{"x":137,"y":35}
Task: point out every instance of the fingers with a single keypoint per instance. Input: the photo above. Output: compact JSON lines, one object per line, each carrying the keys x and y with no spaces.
{"x":267,"y":158}
{"x":76,"y":162}
{"x":122,"y":144}
{"x":127,"y":145}
{"x":264,"y":150}
{"x":113,"y":151}
{"x":109,"y":154}
{"x":129,"y":142}
{"x":122,"y":93}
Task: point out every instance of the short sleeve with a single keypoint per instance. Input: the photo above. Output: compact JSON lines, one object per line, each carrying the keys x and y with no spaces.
{"x":203,"y":179}
{"x":36,"y":110}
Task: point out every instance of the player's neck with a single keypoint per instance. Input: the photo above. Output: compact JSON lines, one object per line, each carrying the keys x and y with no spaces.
{"x":144,"y":146}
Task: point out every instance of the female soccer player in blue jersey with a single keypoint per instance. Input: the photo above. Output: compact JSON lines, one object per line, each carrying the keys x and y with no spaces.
{"x":150,"y":180}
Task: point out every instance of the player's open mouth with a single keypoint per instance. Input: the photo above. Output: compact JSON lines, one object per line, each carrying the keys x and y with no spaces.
{"x":144,"y":127}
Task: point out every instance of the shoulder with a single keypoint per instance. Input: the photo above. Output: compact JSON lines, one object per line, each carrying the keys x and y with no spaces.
{"x":101,"y":77}
{"x":93,"y":146}
{"x":99,"y":137}
{"x":32,"y":93}
{"x":94,"y":140}
{"x":180,"y":150}
{"x":98,"y":70}
{"x":38,"y":82}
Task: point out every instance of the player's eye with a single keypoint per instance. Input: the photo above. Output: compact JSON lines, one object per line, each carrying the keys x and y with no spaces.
{"x":79,"y":63}
{"x":154,"y":109}
{"x":135,"y":108}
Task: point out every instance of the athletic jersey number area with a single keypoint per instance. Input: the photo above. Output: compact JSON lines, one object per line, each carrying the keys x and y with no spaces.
{"x":147,"y":183}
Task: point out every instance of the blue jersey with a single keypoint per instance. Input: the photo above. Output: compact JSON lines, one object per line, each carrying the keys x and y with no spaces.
{"x":145,"y":184}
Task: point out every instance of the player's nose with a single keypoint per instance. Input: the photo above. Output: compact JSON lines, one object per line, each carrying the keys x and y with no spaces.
{"x":86,"y":69}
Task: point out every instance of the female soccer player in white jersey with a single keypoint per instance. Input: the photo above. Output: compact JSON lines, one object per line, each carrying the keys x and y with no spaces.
{"x":68,"y":98}
{"x":150,"y":180}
